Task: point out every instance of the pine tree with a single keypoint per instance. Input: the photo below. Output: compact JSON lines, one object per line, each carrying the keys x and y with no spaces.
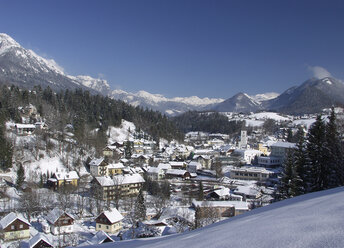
{"x":128,"y":149}
{"x":140,"y":208}
{"x":6,"y":151}
{"x":20,"y":176}
{"x":287,"y":176}
{"x":300,"y":171}
{"x":200,"y":196}
{"x":335,"y":157}
{"x":317,"y":156}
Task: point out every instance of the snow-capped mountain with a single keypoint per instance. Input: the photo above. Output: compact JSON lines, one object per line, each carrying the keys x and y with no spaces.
{"x":23,"y":67}
{"x":259,"y":98}
{"x":310,"y":97}
{"x":100,"y":85}
{"x":240,"y":102}
{"x":170,"y":106}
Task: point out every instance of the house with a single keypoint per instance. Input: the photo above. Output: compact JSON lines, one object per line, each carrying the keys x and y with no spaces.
{"x":252,"y":173}
{"x":40,"y":240}
{"x":174,"y":173}
{"x":193,"y":167}
{"x":155,"y":173}
{"x":269,"y":161}
{"x":281,"y":149}
{"x":247,"y":154}
{"x":177,"y":165}
{"x":125,"y":185}
{"x":109,"y":151}
{"x":109,"y":221}
{"x":24,"y":129}
{"x":99,"y":238}
{"x":63,"y":179}
{"x":60,"y":221}
{"x":115,"y":169}
{"x":204,"y":160}
{"x":14,"y":227}
{"x":223,"y":208}
{"x":223,"y":193}
{"x":98,"y":167}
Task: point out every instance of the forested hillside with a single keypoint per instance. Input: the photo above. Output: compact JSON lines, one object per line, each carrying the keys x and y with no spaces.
{"x":84,"y":111}
{"x":207,"y":122}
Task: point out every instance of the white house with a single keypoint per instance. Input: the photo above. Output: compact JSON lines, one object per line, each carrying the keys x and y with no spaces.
{"x":60,"y":221}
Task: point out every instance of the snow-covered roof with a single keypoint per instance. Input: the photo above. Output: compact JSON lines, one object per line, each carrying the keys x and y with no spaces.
{"x":96,"y":161}
{"x":222,"y":192}
{"x":55,"y":214}
{"x":66,"y":175}
{"x":176,"y":172}
{"x":283,"y":144}
{"x":153,"y":170}
{"x":106,"y":181}
{"x":97,"y":239}
{"x":116,"y":166}
{"x":253,"y":169}
{"x":9,"y":218}
{"x":237,"y":204}
{"x":38,"y":237}
{"x":19,"y":125}
{"x":113,"y":215}
{"x":163,"y":166}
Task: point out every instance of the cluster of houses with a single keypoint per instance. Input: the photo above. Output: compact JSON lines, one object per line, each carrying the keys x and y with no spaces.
{"x":58,"y":222}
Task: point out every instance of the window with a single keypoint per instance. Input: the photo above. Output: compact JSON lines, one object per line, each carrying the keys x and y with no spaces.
{"x":21,"y":226}
{"x":99,"y":226}
{"x":12,"y":227}
{"x":107,"y":227}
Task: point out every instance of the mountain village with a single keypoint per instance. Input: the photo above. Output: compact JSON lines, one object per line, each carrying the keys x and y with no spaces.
{"x":138,"y":187}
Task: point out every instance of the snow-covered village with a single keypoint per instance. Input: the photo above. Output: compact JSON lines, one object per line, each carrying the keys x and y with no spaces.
{"x":59,"y":193}
{"x":174,"y":123}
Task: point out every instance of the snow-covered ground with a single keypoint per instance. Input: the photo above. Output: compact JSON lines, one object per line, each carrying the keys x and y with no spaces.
{"x":122,"y":133}
{"x":312,"y":220}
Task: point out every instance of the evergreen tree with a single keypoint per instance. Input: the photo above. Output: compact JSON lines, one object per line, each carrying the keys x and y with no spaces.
{"x":200,"y":196}
{"x":128,"y":149}
{"x":317,"y":156}
{"x":6,"y":151}
{"x":140,"y":208}
{"x":335,"y":157}
{"x":20,"y":176}
{"x":287,"y":176}
{"x":300,"y":171}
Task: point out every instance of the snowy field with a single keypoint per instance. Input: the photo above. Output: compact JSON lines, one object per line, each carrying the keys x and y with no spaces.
{"x":312,"y":220}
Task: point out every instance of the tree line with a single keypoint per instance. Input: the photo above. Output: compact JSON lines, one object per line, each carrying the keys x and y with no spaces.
{"x":83,"y":110}
{"x":207,"y":122}
{"x":317,"y":161}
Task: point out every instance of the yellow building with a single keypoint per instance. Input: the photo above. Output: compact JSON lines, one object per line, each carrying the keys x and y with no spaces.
{"x":109,"y":221}
{"x":263,"y":149}
{"x":115,"y":169}
{"x":13,"y":227}
{"x":64,"y":179}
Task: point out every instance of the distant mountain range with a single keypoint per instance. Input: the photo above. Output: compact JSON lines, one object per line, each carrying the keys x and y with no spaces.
{"x":23,"y":67}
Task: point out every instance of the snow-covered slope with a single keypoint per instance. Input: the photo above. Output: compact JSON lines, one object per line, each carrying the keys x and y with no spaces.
{"x":24,"y":67}
{"x":312,"y":220}
{"x":170,"y":106}
{"x":264,"y":97}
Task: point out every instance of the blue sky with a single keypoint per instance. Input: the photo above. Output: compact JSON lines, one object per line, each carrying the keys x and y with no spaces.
{"x":184,"y":47}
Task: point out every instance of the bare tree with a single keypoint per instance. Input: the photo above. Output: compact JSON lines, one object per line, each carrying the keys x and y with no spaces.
{"x":217,"y":166}
{"x":30,"y":204}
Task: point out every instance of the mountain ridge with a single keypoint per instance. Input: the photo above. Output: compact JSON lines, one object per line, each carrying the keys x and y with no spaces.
{"x":23,"y":67}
